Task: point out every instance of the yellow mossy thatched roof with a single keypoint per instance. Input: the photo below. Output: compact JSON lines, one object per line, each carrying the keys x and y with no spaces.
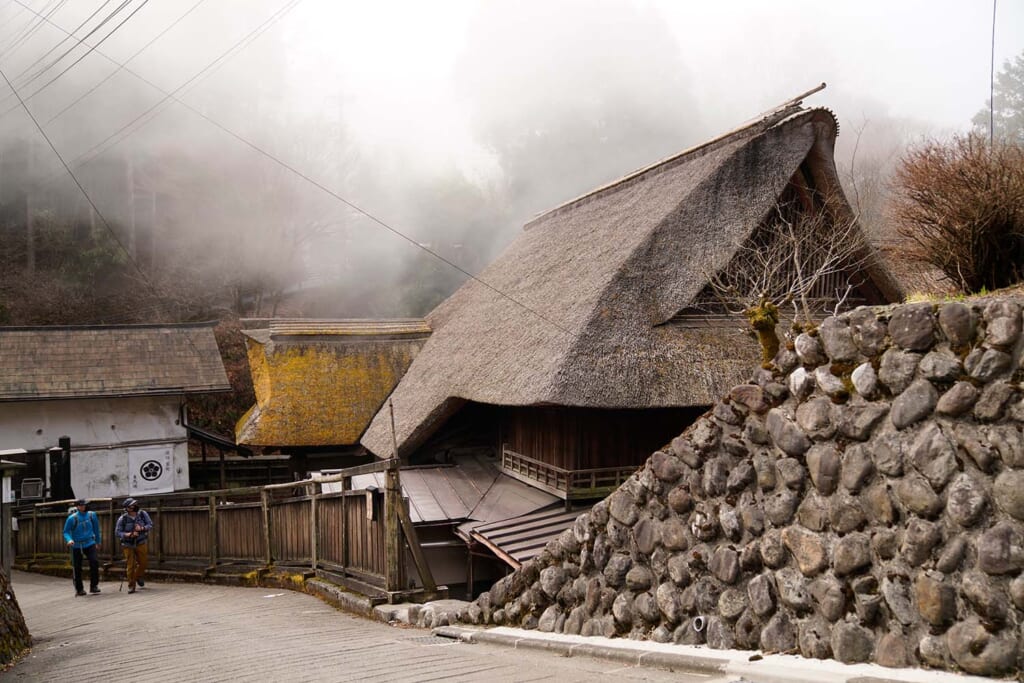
{"x":319,"y":382}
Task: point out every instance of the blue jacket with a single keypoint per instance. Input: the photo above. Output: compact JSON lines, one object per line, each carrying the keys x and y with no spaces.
{"x":83,"y":528}
{"x":126,"y":525}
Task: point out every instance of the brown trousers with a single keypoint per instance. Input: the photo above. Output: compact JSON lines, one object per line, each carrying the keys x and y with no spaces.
{"x":135,"y":562}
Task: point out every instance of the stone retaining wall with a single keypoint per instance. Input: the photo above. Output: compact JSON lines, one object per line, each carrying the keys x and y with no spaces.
{"x":14,"y":636}
{"x":863,"y":500}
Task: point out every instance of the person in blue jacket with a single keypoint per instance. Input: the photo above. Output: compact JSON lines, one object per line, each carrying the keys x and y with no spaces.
{"x":82,"y":535}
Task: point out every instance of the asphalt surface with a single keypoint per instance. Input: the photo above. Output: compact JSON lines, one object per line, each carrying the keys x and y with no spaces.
{"x":188,"y":632}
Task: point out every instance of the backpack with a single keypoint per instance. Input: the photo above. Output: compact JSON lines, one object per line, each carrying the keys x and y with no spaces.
{"x":92,"y":519}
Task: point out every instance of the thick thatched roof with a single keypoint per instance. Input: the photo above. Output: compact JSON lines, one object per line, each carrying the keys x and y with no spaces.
{"x":318,"y":382}
{"x":574,"y":312}
{"x":39,"y":363}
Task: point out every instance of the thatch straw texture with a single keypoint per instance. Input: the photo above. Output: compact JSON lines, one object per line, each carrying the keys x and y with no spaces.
{"x":601,"y":276}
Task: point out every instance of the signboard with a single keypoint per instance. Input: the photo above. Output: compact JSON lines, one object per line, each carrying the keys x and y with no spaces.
{"x":150,"y":469}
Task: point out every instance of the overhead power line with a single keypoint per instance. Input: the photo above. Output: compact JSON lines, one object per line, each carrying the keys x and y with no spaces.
{"x":88,"y":52}
{"x":121,"y":67}
{"x":358,"y":209}
{"x":30,"y":28}
{"x":150,"y":113}
{"x":63,"y":40}
{"x":92,"y":48}
{"x":67,"y":167}
{"x":99,"y":214}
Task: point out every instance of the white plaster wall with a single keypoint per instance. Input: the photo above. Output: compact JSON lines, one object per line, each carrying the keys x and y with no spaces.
{"x":106,"y":473}
{"x":102,"y":431}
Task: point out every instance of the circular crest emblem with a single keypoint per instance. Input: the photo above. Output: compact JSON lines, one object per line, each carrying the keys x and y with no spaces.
{"x":151,"y":470}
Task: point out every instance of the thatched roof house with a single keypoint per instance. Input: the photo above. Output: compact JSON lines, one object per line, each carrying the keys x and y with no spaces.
{"x":583,"y":309}
{"x":318,"y":382}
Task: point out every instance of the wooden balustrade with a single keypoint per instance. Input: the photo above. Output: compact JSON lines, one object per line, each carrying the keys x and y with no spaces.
{"x":566,"y":484}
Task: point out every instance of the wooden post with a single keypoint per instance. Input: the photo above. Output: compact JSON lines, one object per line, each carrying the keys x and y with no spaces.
{"x":346,"y":484}
{"x":311,"y":488}
{"x":392,"y":504}
{"x":265,"y":509}
{"x":113,"y":531}
{"x":159,"y":530}
{"x":392,"y":531}
{"x":469,"y":571}
{"x":35,"y":532}
{"x":6,"y":546}
{"x":213,"y":531}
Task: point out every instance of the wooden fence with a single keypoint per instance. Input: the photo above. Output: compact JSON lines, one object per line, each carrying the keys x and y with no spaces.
{"x":355,"y":537}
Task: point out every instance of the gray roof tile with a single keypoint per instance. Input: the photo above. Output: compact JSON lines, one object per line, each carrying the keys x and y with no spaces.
{"x":116,"y":360}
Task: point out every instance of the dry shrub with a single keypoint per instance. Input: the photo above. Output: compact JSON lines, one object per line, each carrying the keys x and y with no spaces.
{"x":959,"y":206}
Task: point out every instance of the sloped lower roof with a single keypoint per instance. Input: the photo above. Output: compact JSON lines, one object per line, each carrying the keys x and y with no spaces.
{"x":573,"y":312}
{"x":39,"y":363}
{"x":473,"y":488}
{"x":319,"y":382}
{"x":520,"y":539}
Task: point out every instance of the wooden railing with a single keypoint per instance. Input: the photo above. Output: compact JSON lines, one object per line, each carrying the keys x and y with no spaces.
{"x":566,"y":484}
{"x":354,"y":537}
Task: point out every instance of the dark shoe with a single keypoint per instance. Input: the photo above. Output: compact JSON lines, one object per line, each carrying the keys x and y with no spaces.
{"x":78,"y":593}
{"x":94,"y":589}
{"x":131,"y":589}
{"x":142,"y":584}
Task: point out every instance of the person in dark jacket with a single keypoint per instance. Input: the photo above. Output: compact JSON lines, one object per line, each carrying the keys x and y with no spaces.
{"x":82,"y":534}
{"x":133,"y":529}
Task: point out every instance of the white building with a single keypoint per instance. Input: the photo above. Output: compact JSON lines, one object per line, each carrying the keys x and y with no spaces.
{"x":117,"y":392}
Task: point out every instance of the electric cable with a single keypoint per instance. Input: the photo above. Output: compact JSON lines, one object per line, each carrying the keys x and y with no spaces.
{"x":121,"y":67}
{"x":313,"y":182}
{"x":92,"y":48}
{"x":30,"y":27}
{"x":63,"y":40}
{"x":23,"y":104}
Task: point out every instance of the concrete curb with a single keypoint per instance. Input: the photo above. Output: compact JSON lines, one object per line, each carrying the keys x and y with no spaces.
{"x":748,"y":666}
{"x":709,"y":665}
{"x":336,"y":596}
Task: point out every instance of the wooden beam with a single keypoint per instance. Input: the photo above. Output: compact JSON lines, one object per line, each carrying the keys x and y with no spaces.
{"x":414,"y":546}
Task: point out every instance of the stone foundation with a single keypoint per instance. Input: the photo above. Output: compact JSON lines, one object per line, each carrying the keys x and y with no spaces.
{"x":862,"y":501}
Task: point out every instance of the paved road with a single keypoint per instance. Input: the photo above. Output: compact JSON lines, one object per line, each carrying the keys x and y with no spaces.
{"x":185,"y":632}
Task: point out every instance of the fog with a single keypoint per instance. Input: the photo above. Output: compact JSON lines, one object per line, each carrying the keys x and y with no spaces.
{"x":311,"y":152}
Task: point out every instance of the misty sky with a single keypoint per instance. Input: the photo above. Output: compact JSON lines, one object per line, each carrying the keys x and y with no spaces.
{"x":379,"y":100}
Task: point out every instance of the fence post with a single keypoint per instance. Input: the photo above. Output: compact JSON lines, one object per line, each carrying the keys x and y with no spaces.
{"x":311,"y":488}
{"x":35,"y":532}
{"x":213,"y":531}
{"x":113,"y":532}
{"x":392,"y":532}
{"x":346,"y":484}
{"x":265,"y":509}
{"x":159,"y":530}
